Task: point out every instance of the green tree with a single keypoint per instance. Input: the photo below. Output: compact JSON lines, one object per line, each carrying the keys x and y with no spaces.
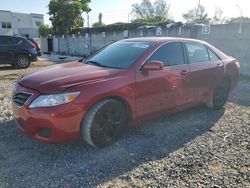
{"x":151,"y":13}
{"x":197,"y":16}
{"x":99,"y":23}
{"x":44,"y":30}
{"x":66,"y":15}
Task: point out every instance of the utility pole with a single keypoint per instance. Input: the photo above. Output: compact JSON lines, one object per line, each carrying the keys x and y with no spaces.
{"x":197,"y":10}
{"x":88,"y":19}
{"x":89,"y":30}
{"x":129,"y":14}
{"x":241,"y":18}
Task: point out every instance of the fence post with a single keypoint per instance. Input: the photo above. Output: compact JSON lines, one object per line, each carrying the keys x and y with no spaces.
{"x":68,"y":43}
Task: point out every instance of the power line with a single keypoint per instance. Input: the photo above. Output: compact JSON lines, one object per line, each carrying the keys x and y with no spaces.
{"x":110,"y":12}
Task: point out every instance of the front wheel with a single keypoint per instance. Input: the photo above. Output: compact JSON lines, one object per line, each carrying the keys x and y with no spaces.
{"x":104,"y":123}
{"x":22,"y":61}
{"x":220,"y":95}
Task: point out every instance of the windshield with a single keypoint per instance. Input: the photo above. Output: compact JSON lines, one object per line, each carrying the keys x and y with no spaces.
{"x":119,"y":55}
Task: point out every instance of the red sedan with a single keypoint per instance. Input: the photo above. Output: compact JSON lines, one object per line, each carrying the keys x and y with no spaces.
{"x":130,"y":80}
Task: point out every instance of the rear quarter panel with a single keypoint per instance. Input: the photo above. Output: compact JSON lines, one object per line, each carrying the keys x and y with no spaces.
{"x":231,"y":66}
{"x":232,"y":71}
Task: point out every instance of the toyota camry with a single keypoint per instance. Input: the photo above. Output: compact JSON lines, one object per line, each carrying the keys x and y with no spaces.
{"x":128,"y":81}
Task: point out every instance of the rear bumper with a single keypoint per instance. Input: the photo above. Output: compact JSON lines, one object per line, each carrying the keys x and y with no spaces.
{"x":33,"y":57}
{"x":50,"y":125}
{"x":39,"y":53}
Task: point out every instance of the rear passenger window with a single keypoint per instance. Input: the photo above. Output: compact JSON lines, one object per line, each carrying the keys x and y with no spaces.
{"x":26,"y":43}
{"x":212,"y":55}
{"x":170,"y":54}
{"x":6,"y":40}
{"x":196,"y":53}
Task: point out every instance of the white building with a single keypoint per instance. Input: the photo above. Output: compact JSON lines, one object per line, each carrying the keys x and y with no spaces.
{"x":13,"y":23}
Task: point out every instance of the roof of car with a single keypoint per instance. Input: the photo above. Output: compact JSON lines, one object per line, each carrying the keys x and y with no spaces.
{"x":12,"y":36}
{"x":160,"y":39}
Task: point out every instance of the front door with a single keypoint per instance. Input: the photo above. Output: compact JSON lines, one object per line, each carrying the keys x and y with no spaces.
{"x":6,"y":49}
{"x":163,"y":90}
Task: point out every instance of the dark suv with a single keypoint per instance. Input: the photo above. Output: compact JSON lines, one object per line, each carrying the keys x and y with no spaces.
{"x":17,"y":51}
{"x":38,"y":49}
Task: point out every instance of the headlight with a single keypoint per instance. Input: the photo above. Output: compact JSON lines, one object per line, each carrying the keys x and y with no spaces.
{"x":53,"y":99}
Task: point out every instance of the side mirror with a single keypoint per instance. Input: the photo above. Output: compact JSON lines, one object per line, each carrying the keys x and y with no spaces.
{"x":153,"y":66}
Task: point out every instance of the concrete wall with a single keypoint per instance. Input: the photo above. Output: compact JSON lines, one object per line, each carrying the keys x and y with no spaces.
{"x":44,"y":44}
{"x":233,"y":39}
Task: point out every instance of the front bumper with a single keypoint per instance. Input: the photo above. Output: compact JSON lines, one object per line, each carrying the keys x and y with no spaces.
{"x":51,"y":125}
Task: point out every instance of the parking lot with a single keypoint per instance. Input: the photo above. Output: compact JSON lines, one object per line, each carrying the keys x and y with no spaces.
{"x":196,"y":148}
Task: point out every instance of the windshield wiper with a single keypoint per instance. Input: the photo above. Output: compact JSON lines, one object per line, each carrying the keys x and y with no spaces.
{"x":95,"y":63}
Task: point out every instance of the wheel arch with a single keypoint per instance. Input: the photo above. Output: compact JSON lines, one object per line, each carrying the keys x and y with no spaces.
{"x":89,"y":108}
{"x":121,"y":99}
{"x":126,"y":104}
{"x":229,"y":80}
{"x":22,"y":53}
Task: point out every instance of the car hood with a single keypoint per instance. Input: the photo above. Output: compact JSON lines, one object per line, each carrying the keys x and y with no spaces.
{"x":59,"y":77}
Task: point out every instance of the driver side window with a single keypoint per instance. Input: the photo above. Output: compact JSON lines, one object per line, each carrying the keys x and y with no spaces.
{"x":170,"y":54}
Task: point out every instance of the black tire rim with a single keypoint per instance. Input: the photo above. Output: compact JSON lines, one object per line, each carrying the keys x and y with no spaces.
{"x":109,"y":123}
{"x":221,"y":95}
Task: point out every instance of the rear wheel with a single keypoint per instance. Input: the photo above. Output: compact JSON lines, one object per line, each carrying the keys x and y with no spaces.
{"x":104,"y":123}
{"x":221,"y":94}
{"x":22,"y":61}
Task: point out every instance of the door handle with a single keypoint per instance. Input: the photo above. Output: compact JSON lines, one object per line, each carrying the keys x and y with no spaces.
{"x":219,"y":66}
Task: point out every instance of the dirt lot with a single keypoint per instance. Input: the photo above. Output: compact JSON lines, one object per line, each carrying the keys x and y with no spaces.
{"x":195,"y":148}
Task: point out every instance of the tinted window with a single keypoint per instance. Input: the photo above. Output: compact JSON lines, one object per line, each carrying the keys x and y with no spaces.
{"x":1,"y":40}
{"x":196,"y":53}
{"x":25,"y":42}
{"x":170,"y":54}
{"x":120,"y":54}
{"x":6,"y":25}
{"x":212,"y":55}
{"x":38,"y":23}
{"x":18,"y":40}
{"x":6,"y":40}
{"x":31,"y":40}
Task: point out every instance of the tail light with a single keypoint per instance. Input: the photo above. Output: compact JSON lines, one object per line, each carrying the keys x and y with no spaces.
{"x":37,"y":45}
{"x":33,"y":45}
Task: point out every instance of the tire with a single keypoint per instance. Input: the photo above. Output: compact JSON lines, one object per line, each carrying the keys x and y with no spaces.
{"x":22,"y":61}
{"x":104,"y":123}
{"x":220,"y":95}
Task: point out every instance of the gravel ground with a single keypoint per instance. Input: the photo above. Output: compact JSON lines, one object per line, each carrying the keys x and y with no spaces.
{"x":196,"y":148}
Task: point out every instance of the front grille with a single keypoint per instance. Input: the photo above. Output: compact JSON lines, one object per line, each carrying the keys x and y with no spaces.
{"x":21,"y":98}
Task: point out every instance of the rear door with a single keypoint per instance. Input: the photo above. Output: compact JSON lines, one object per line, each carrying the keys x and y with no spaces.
{"x":206,"y":70}
{"x":7,"y":49}
{"x":163,"y":90}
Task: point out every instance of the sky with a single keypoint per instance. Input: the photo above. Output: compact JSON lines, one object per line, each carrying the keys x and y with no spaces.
{"x":119,"y":10}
